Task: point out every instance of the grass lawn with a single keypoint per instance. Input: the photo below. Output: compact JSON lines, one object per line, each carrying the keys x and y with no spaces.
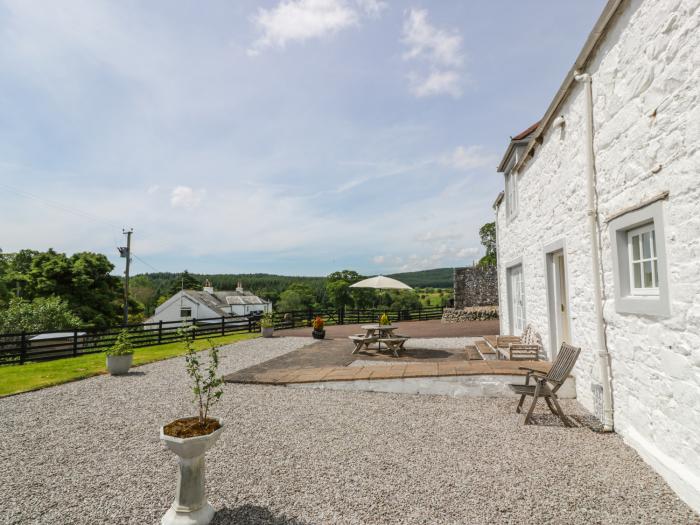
{"x":33,"y":376}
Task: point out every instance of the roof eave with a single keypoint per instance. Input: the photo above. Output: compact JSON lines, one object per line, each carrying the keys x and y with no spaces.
{"x":599,"y":30}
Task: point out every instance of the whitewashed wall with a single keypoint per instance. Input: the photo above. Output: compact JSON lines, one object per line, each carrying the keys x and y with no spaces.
{"x":649,"y":61}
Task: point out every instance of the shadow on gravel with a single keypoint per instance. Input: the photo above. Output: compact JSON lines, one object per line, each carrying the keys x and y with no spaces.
{"x":579,"y":420}
{"x":252,"y":515}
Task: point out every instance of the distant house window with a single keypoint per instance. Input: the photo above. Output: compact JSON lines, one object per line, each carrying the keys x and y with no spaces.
{"x":185,"y":312}
{"x":639,"y":261}
{"x":644,"y":261}
{"x":511,"y":194}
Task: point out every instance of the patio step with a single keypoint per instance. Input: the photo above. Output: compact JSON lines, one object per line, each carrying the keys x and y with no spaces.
{"x":472,"y":353}
{"x":485,"y":351}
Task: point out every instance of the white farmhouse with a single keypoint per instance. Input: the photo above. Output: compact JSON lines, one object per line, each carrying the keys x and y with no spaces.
{"x":208,"y":304}
{"x":599,"y":230}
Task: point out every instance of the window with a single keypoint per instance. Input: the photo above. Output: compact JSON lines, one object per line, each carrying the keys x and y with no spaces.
{"x":511,"y":194}
{"x":639,"y":261}
{"x":644,"y":261}
{"x":185,"y":312}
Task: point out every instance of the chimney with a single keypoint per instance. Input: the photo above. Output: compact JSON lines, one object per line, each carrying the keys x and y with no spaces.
{"x":208,"y":287}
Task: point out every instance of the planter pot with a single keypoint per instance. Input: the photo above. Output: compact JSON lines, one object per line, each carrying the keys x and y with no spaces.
{"x":190,"y":506}
{"x":318,"y":334}
{"x":267,"y":332}
{"x":119,"y":364}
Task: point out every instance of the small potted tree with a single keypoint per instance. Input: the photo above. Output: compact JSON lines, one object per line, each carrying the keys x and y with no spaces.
{"x":267,"y":324}
{"x":318,"y":331}
{"x":189,"y":438}
{"x":120,"y":355}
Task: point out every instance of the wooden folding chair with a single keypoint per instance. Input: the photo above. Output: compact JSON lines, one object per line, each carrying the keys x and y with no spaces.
{"x":547,"y":384}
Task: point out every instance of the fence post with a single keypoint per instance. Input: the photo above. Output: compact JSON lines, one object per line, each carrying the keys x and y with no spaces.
{"x":23,"y":349}
{"x":75,"y":342}
{"x":420,"y":309}
{"x":309,"y":315}
{"x":160,"y":331}
{"x":194,"y":328}
{"x":223,"y":326}
{"x":250,"y":325}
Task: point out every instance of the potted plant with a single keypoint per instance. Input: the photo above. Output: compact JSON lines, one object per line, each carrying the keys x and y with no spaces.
{"x":384,"y":319}
{"x":267,"y":324}
{"x":318,"y":332}
{"x":120,"y":354}
{"x":189,"y":438}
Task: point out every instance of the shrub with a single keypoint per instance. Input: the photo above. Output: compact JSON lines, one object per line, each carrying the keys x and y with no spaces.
{"x":267,"y":320}
{"x":206,"y":384}
{"x":384,"y":319}
{"x":318,"y":323}
{"x":122,"y":345}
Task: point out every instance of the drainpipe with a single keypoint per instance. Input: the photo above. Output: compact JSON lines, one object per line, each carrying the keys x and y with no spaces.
{"x":603,"y":354}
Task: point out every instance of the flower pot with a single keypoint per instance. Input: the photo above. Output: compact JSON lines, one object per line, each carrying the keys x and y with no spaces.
{"x":267,"y":331}
{"x":318,"y":334}
{"x":119,"y":364}
{"x":190,"y":506}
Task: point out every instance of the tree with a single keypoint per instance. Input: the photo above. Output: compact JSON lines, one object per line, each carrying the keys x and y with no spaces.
{"x":185,"y":281}
{"x":488,"y":239}
{"x":339,"y":293}
{"x":297,"y":296}
{"x":405,"y":301}
{"x":44,"y":314}
{"x":83,"y":281}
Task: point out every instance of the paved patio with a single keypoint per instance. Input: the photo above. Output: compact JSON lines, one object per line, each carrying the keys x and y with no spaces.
{"x":333,"y":360}
{"x":88,"y":452}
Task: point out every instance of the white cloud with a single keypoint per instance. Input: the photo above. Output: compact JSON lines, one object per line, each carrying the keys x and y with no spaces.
{"x":152,"y":189}
{"x":299,"y":20}
{"x":468,"y":158}
{"x":372,"y":8}
{"x":186,"y":197}
{"x":436,"y":83}
{"x":378,"y":259}
{"x":433,"y":236}
{"x":440,"y":50}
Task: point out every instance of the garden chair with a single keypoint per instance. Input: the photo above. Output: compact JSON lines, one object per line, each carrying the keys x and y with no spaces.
{"x":547,"y":383}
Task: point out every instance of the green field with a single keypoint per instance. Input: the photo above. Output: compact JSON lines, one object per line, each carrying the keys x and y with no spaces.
{"x":33,"y":376}
{"x":434,"y":296}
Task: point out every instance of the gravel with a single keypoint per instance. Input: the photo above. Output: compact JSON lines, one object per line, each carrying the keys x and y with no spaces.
{"x":88,"y":452}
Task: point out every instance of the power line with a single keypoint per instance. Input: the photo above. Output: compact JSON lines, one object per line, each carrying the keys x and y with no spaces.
{"x":57,"y":205}
{"x":146,"y":263}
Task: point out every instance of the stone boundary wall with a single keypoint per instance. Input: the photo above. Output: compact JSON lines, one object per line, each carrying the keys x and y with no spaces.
{"x":471,"y":313}
{"x":475,"y":286}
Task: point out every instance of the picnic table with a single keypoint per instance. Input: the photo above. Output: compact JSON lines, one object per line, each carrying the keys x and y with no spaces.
{"x":379,"y":333}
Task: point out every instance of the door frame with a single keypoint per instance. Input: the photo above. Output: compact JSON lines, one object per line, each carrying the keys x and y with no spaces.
{"x":550,"y":251}
{"x":509,"y":293}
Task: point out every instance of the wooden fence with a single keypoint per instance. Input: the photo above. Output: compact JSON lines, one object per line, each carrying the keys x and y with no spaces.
{"x":19,"y":348}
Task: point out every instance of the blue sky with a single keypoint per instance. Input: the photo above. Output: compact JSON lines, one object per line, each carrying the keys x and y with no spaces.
{"x":293,"y":137}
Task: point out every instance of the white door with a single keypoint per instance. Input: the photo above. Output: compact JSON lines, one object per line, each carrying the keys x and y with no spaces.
{"x":560,"y":304}
{"x":516,"y":290}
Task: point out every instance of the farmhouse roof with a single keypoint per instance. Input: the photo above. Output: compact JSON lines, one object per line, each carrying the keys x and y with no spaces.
{"x":221,"y":299}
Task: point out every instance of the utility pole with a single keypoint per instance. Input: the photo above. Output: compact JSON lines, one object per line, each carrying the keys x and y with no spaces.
{"x":125,"y":251}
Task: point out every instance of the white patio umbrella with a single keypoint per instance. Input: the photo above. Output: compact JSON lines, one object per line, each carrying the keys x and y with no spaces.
{"x":382,"y":283}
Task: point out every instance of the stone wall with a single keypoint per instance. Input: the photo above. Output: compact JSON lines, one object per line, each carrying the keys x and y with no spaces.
{"x":475,"y":286}
{"x":470,"y":313}
{"x":647,"y":140}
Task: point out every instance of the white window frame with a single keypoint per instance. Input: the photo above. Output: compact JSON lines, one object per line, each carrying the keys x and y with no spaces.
{"x":629,"y":299}
{"x":515,"y":266}
{"x":653,"y":260}
{"x":511,"y":195}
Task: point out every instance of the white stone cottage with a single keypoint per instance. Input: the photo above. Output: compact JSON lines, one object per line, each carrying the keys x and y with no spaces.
{"x":207,"y":304}
{"x":598,"y":230}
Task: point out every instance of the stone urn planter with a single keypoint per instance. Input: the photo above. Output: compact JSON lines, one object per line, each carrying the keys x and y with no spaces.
{"x":190,"y":506}
{"x":119,"y":364}
{"x":267,"y":331}
{"x":318,"y":334}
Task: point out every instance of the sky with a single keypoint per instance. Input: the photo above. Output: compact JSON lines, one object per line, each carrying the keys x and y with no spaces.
{"x":296,"y":137}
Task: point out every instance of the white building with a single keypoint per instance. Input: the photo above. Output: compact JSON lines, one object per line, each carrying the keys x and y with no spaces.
{"x":629,"y":282}
{"x":207,"y":304}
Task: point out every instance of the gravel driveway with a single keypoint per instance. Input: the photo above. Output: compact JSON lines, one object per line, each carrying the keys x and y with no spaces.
{"x":88,"y":452}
